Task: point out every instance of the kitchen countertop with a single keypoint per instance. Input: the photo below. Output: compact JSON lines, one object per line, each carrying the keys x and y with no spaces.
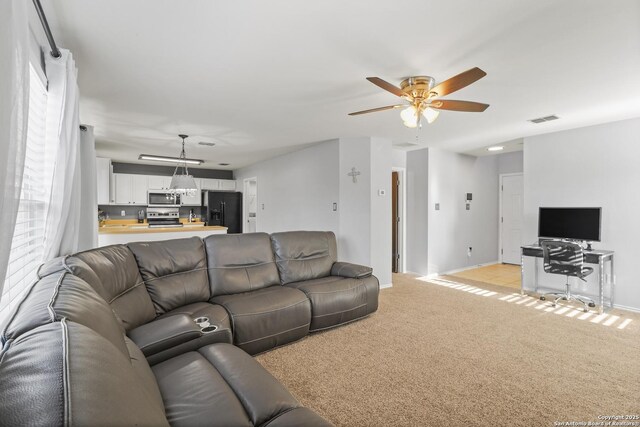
{"x":126,"y":226}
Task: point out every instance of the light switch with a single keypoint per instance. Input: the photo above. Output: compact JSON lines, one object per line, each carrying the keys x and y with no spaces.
{"x":335,"y":206}
{"x":437,"y":206}
{"x":381,"y":192}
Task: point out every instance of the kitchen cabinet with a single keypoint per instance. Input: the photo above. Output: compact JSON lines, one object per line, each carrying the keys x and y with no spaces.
{"x":227,"y":185}
{"x":209,"y":184}
{"x":159,"y":182}
{"x":218,"y":184}
{"x":194,"y":200}
{"x":103,"y":178}
{"x":131,"y":189}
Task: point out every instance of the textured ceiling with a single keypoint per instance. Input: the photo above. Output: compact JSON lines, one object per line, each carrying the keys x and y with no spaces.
{"x":260,"y":78}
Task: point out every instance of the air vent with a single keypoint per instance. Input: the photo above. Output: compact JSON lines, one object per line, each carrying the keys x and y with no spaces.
{"x":208,"y":144}
{"x":544,"y":119}
{"x":224,"y":164}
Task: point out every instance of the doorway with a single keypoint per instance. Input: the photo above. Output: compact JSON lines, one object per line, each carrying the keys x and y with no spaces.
{"x":511,"y":212}
{"x":250,"y":205}
{"x":397,"y":220}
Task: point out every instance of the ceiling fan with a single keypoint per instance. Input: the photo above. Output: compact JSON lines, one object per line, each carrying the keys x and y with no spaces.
{"x":424,"y":95}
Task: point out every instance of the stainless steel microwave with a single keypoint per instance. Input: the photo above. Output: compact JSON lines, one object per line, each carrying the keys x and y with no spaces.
{"x":162,"y":198}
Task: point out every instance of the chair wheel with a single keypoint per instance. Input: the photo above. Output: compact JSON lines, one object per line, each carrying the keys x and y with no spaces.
{"x":592,"y":304}
{"x":585,"y":310}
{"x":542,"y":298}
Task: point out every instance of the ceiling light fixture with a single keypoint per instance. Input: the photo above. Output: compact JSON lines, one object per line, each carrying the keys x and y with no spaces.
{"x":496,"y":148}
{"x":183,"y":183}
{"x":169,"y":159}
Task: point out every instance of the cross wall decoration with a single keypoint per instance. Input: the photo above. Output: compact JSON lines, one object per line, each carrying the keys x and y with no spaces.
{"x":354,"y":174}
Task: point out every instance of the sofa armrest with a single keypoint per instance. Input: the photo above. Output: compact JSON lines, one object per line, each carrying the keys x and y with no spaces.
{"x":346,"y":269}
{"x":164,"y":333}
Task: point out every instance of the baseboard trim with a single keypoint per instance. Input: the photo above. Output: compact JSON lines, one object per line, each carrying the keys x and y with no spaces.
{"x":388,"y":285}
{"x":458,"y":270}
{"x":625,"y":307}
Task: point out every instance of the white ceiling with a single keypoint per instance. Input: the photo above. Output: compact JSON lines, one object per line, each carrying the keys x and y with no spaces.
{"x":260,"y":78}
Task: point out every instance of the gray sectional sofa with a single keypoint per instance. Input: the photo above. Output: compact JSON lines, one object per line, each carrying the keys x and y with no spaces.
{"x":157,"y":333}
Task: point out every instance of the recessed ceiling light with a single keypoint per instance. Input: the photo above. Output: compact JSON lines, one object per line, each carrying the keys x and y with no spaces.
{"x":169,"y":159}
{"x":496,"y":148}
{"x":208,"y":144}
{"x":224,"y":164}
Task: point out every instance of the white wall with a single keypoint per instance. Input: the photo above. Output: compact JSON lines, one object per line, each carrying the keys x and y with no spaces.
{"x":511,"y":162}
{"x":381,"y":209}
{"x":591,"y":166}
{"x":354,"y":239}
{"x":297,"y":190}
{"x":417,"y":163}
{"x":398,"y":158}
{"x":453,"y":229}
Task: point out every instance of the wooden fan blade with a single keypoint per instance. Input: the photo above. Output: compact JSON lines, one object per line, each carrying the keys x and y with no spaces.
{"x":458,"y":82}
{"x":373,"y":110}
{"x":386,"y":86}
{"x":468,"y":106}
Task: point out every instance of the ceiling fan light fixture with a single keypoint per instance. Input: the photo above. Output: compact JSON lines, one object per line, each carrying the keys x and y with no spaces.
{"x":410,"y":116}
{"x":430,"y":114}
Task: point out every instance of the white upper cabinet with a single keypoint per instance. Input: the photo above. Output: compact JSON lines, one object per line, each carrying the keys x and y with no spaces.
{"x":103,"y":178}
{"x":194,"y":200}
{"x":130,"y":189}
{"x":218,"y":184}
{"x":227,"y":185}
{"x":159,"y":182}
{"x":210,"y":184}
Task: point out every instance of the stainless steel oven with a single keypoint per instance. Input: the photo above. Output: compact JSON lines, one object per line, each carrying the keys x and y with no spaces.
{"x":162,"y":198}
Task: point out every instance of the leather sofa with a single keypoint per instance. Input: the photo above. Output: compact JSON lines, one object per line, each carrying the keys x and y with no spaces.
{"x":109,"y":336}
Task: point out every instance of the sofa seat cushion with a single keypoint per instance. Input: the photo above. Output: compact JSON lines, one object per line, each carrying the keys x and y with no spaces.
{"x":176,"y":332}
{"x":336,"y":300}
{"x":220,"y":385}
{"x":268,"y":317}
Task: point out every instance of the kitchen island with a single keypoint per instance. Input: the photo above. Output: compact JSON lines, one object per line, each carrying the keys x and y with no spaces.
{"x":114,"y":232}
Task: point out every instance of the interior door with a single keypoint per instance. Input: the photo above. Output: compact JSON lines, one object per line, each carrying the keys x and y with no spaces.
{"x":512,"y":193}
{"x":395,"y":220}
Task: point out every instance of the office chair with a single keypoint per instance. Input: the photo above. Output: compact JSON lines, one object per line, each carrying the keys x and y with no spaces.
{"x":566,"y":258}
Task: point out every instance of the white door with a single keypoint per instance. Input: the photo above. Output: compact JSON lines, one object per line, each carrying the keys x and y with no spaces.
{"x":512,"y":198}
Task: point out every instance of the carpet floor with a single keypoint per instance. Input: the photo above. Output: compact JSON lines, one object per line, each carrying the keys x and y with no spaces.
{"x":440,"y":354}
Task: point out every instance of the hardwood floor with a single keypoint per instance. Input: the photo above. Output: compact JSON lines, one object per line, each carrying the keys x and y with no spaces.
{"x":496,"y":274}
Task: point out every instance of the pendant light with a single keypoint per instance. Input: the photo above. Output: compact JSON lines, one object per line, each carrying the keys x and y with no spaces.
{"x":183,"y":183}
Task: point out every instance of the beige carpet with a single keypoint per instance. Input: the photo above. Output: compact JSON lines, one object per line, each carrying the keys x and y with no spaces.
{"x":437,"y":356}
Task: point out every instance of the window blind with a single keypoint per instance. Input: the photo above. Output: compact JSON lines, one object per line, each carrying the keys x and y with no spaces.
{"x":28,"y":234}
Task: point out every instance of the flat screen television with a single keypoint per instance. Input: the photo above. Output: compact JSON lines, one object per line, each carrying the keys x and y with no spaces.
{"x":570,"y":223}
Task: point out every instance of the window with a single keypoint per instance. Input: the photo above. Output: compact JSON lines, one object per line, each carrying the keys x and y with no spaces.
{"x":28,"y":235}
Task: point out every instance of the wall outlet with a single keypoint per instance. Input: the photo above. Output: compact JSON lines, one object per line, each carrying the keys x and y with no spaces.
{"x":469,"y":251}
{"x":381,"y":192}
{"x":263,"y":206}
{"x":123,"y":213}
{"x":468,"y":206}
{"x":437,"y":206}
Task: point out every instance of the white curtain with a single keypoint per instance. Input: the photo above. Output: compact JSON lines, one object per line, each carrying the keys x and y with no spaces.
{"x":14,"y":108}
{"x":65,"y":230}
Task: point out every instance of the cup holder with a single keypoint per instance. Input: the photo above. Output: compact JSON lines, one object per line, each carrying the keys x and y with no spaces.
{"x":208,"y":329}
{"x":199,"y":320}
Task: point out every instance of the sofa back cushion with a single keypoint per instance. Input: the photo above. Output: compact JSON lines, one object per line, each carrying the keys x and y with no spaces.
{"x":304,"y":255}
{"x":174,"y":272}
{"x":63,"y":295}
{"x":63,"y":373}
{"x":113,"y":270}
{"x":240,"y":263}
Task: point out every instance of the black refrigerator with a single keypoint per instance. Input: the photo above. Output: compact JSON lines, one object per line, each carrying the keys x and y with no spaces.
{"x":223,"y":208}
